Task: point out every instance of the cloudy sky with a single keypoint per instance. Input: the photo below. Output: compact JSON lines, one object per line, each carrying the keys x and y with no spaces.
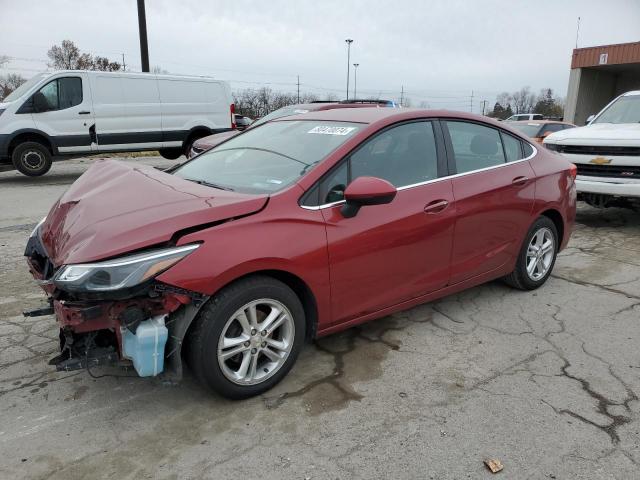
{"x":438,"y":50}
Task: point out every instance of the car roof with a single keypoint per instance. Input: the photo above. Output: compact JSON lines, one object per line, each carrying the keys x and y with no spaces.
{"x":373,"y":115}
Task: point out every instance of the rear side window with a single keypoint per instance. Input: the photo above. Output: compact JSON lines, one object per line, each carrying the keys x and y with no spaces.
{"x":528,"y":149}
{"x":475,"y":146}
{"x":512,"y":147}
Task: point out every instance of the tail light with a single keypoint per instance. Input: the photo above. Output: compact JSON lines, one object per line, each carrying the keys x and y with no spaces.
{"x":232,"y":110}
{"x":573,"y":171}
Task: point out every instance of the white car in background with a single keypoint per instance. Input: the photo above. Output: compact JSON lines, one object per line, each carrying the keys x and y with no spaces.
{"x":73,"y":113}
{"x":606,"y":152}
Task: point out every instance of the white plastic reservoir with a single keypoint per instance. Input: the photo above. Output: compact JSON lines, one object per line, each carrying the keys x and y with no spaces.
{"x":146,"y":347}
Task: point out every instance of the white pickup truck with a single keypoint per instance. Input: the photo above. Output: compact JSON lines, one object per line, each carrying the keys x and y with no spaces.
{"x":606,"y":152}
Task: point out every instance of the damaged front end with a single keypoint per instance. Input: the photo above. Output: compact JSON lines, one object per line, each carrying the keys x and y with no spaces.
{"x":114,"y":312}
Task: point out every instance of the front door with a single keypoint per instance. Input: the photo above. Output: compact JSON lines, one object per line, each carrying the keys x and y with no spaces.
{"x":63,"y":110}
{"x":390,"y":253}
{"x":494,"y":193}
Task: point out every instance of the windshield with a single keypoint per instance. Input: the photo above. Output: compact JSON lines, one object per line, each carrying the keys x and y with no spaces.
{"x":623,"y":110}
{"x":281,"y":112}
{"x":25,"y":87}
{"x":530,"y":129}
{"x":268,"y":158}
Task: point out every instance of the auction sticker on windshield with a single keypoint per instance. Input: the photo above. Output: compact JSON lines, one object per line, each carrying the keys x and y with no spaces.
{"x":329,"y":130}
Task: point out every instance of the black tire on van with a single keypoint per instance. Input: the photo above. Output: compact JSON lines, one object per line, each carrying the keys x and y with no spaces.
{"x":170,"y":153}
{"x":32,"y":159}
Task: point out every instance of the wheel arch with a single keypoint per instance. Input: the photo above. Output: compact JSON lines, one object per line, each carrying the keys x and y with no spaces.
{"x":196,"y":132}
{"x":30,"y":135}
{"x":556,"y":217}
{"x":299,"y":287}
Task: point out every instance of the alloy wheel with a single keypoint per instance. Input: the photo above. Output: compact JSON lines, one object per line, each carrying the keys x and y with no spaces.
{"x":256,"y":341}
{"x":540,"y":254}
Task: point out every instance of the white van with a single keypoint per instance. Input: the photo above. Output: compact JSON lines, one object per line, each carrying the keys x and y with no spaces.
{"x":606,"y":152}
{"x":67,"y":113}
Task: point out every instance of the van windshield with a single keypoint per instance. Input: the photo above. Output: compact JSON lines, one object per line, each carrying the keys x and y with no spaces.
{"x":623,"y":110}
{"x":268,"y":158}
{"x":25,"y":87}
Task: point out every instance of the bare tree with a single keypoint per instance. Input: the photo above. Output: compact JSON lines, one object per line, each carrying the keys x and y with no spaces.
{"x":158,"y":70}
{"x":260,"y":102}
{"x":8,"y":83}
{"x":67,"y":56}
{"x":523,"y":100}
{"x":104,"y":64}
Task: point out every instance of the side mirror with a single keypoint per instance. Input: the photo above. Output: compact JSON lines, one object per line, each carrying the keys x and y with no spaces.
{"x":40,"y":103}
{"x":590,"y":118}
{"x":366,"y":191}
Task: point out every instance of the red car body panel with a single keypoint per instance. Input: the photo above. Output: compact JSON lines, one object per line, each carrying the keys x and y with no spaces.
{"x":492,"y":218}
{"x":433,"y":239}
{"x":115,"y":208}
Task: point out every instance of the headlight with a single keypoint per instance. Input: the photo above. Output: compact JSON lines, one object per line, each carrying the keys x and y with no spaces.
{"x":119,"y":273}
{"x":37,"y":227}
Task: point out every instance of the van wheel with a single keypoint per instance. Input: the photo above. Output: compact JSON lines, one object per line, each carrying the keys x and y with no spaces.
{"x":32,"y":159}
{"x":170,"y":153}
{"x":247,"y":337}
{"x":537,"y":256}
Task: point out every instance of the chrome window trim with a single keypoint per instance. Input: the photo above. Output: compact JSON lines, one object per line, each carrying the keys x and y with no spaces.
{"x":456,"y":175}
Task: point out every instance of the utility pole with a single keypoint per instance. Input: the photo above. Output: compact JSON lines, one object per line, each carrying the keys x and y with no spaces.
{"x":349,"y":42}
{"x":298,"y":88}
{"x":471,"y":104}
{"x":402,"y":95}
{"x":577,"y":32}
{"x":484,"y":104}
{"x":355,"y":81}
{"x":144,"y":46}
{"x":124,"y":65}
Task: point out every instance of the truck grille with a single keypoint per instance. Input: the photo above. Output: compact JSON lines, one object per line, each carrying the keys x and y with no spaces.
{"x":612,"y":171}
{"x":598,"y":150}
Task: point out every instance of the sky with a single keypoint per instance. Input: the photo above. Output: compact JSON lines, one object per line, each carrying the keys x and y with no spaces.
{"x":437,"y":52}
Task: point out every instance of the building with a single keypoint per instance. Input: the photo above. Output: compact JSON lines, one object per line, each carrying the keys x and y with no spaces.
{"x":598,"y":75}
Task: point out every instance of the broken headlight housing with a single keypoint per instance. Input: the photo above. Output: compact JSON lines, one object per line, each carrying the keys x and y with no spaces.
{"x":119,"y":273}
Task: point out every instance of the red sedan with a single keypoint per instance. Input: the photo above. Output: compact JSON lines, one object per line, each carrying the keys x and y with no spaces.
{"x":298,"y":228}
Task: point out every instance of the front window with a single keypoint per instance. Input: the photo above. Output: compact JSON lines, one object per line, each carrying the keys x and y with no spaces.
{"x":268,"y":158}
{"x":58,"y":94}
{"x":25,"y":87}
{"x":623,"y":110}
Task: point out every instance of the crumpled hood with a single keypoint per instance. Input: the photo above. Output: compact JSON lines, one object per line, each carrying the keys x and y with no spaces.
{"x":115,"y":208}
{"x":608,"y":134}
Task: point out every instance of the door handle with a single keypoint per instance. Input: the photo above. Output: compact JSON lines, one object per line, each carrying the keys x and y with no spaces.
{"x":436,"y":206}
{"x":84,"y":112}
{"x":519,"y":180}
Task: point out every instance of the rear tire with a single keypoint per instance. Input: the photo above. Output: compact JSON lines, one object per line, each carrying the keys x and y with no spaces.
{"x":234,"y":350}
{"x":32,"y":159}
{"x":537,"y":256}
{"x":170,"y":153}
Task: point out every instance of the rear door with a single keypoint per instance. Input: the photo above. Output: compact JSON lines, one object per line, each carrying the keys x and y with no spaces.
{"x":391,"y":253}
{"x":68,"y":114}
{"x":494,"y":190}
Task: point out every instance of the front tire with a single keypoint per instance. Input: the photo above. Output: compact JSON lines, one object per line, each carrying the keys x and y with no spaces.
{"x":247,"y":337}
{"x":32,"y":159}
{"x":537,"y":256}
